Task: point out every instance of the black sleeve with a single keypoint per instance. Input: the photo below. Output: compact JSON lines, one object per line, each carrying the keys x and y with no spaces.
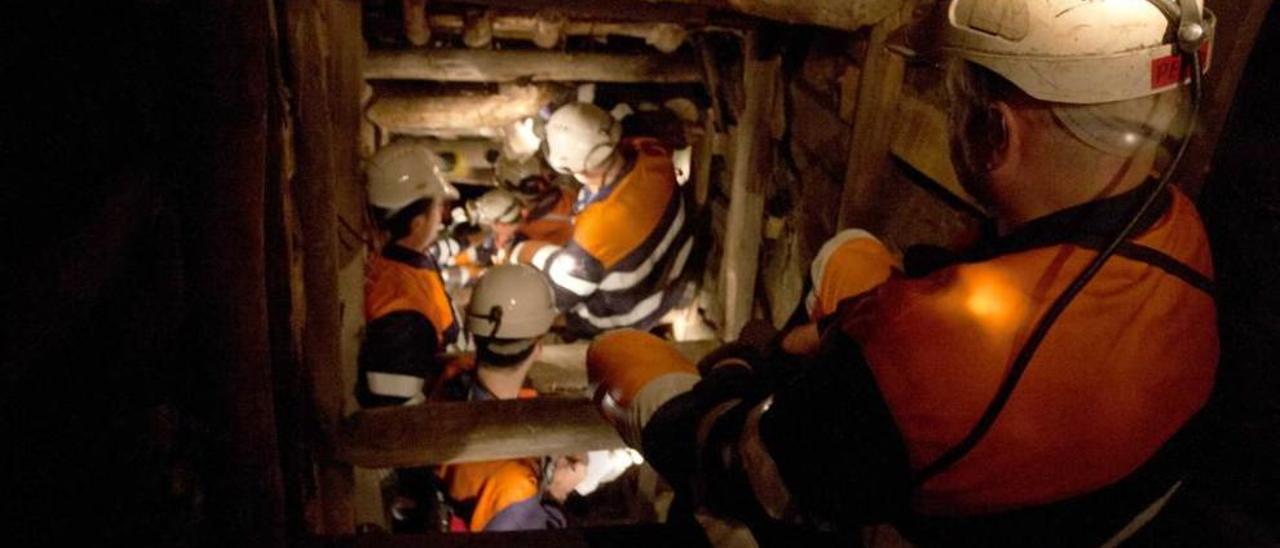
{"x":828,"y":430}
{"x":402,"y":343}
{"x":835,"y":443}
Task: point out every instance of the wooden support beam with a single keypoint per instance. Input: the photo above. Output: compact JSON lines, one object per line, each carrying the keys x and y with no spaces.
{"x":316,"y":180}
{"x":224,"y":274}
{"x":347,"y":93}
{"x":610,"y":10}
{"x":677,"y":533}
{"x":548,"y":28}
{"x":409,"y":110}
{"x":442,"y":433}
{"x":439,"y":433}
{"x":751,"y":139}
{"x":454,"y":65}
{"x":703,"y":154}
{"x":840,"y":14}
{"x":874,"y":116}
{"x":415,"y":21}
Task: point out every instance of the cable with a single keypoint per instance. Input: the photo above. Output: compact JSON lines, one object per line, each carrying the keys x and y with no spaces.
{"x":1028,"y":351}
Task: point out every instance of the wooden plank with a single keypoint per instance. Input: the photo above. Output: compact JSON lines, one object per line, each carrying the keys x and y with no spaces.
{"x":685,"y":533}
{"x":402,"y":109}
{"x":607,"y":10}
{"x":703,"y":156}
{"x":464,"y":65}
{"x":347,"y":91}
{"x":442,"y":433}
{"x":664,"y":36}
{"x":839,"y":14}
{"x":286,"y":305}
{"x":876,"y":108}
{"x":315,"y":185}
{"x":741,"y":243}
{"x":225,"y":275}
{"x":920,"y":140}
{"x":437,"y":433}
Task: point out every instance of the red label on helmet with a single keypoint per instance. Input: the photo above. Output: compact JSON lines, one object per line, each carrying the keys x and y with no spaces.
{"x":1168,"y":71}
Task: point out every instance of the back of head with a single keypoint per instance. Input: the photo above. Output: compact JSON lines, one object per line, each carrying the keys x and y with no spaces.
{"x":404,"y":172}
{"x":511,"y":308}
{"x":580,"y":138}
{"x":402,"y":177}
{"x":495,"y":206}
{"x":1107,"y":70}
{"x":525,"y":178}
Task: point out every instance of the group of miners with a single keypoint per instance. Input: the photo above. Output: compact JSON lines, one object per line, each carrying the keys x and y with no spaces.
{"x":612,"y":254}
{"x":1041,"y":388}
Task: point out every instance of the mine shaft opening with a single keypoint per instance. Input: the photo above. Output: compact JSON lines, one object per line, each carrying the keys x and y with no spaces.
{"x":476,"y":86}
{"x":211,"y":341}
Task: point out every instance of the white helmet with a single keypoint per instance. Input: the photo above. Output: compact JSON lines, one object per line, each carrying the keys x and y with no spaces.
{"x":404,"y":172}
{"x":511,"y":302}
{"x":514,"y":176}
{"x":1071,"y":51}
{"x":520,"y":139}
{"x":580,"y":137}
{"x":495,"y":206}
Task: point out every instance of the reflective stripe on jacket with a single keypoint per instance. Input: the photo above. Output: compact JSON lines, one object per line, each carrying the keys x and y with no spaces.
{"x":410,"y":320}
{"x":630,"y":246}
{"x":848,"y":265}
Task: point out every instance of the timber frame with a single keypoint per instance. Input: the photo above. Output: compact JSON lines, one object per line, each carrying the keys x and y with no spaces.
{"x":316,"y":209}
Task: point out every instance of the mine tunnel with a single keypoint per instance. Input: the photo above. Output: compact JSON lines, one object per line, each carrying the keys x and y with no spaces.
{"x":643,"y":272}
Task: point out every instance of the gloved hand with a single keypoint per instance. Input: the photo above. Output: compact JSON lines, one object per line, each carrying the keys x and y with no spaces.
{"x":634,"y":373}
{"x":749,"y":351}
{"x":741,"y":367}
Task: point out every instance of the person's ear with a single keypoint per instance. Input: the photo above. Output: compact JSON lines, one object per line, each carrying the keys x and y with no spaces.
{"x":1004,"y":137}
{"x":419,"y":222}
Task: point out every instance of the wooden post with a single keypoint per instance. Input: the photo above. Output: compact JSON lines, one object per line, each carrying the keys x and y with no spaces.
{"x":347,"y":92}
{"x":415,"y":21}
{"x":751,"y":138}
{"x":703,"y":154}
{"x":609,"y":10}
{"x":874,"y":114}
{"x":315,"y":185}
{"x":243,"y":501}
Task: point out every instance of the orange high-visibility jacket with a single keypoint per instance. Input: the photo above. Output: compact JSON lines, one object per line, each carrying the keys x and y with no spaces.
{"x":848,"y":265}
{"x":631,"y":242}
{"x":410,"y":320}
{"x":1096,"y":433}
{"x":550,"y":221}
{"x":491,"y":495}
